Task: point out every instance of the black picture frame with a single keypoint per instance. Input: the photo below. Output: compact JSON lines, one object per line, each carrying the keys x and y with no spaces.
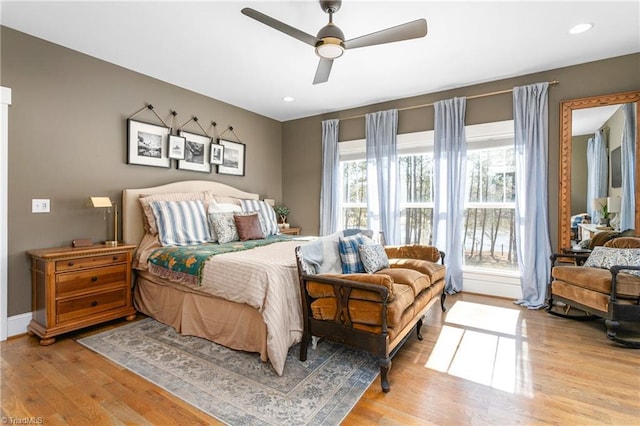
{"x":234,"y":158}
{"x":217,"y":154}
{"x":196,"y":153}
{"x":147,"y":144}
{"x":176,"y":147}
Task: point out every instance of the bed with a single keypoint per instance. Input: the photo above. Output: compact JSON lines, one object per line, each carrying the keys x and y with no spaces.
{"x":245,"y":299}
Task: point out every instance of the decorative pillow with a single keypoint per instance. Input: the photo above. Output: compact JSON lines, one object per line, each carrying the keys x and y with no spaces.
{"x":266,"y":212}
{"x":373,"y":257}
{"x":348,"y":248}
{"x":181,"y":223}
{"x":149,"y":218}
{"x":215,"y":206}
{"x":224,"y":226}
{"x":248,"y":227}
{"x":606,"y":257}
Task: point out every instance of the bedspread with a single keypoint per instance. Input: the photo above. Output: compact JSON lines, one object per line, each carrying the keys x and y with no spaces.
{"x":185,"y":263}
{"x":265,"y":278}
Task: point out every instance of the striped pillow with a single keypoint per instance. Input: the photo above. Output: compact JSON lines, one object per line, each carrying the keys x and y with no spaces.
{"x":266,"y":213}
{"x":181,"y":223}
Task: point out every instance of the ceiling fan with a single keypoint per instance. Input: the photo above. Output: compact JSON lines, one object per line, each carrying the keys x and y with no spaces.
{"x":330,"y":43}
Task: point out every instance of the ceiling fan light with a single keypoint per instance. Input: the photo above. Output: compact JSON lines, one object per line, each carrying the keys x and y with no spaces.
{"x":330,"y":48}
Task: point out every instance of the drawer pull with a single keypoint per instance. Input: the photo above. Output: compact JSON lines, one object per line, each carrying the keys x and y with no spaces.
{"x":94,"y":279}
{"x":94,"y":303}
{"x":115,"y":257}
{"x":71,"y":263}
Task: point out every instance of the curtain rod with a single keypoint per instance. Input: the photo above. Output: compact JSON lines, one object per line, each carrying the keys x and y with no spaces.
{"x":482,"y":95}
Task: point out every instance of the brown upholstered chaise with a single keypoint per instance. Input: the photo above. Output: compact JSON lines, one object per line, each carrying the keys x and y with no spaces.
{"x":373,"y":312}
{"x":612,"y":294}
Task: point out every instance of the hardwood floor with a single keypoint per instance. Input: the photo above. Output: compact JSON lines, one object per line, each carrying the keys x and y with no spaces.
{"x":485,"y":361}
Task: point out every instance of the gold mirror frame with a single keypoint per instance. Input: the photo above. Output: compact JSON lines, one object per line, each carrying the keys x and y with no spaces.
{"x":566,"y":110}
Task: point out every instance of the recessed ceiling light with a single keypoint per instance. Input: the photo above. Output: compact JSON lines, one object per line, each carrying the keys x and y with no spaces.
{"x":580,"y":28}
{"x":287,"y":99}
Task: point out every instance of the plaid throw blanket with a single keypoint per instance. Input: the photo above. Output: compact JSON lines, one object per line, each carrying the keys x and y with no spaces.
{"x":185,"y":263}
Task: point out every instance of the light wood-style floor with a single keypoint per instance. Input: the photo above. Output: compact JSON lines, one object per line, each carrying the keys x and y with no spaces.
{"x":485,"y":361}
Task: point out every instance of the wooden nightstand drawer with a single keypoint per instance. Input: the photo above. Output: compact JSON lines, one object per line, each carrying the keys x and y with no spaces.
{"x":90,"y":279}
{"x":89,"y":305}
{"x":89,"y":262}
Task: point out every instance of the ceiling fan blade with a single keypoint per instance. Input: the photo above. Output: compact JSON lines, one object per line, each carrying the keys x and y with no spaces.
{"x":280,"y":26}
{"x":413,"y":29}
{"x":323,"y":71}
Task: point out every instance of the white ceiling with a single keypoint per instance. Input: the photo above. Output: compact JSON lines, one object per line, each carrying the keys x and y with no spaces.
{"x":212,"y":49}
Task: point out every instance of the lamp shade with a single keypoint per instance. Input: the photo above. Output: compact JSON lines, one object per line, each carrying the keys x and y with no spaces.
{"x":100,"y":201}
{"x":599,"y":203}
{"x":613,"y":204}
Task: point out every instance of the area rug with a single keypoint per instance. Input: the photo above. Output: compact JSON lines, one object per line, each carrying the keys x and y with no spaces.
{"x":236,"y":387}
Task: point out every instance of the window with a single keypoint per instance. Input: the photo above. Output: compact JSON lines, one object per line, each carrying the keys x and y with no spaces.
{"x":489,"y":210}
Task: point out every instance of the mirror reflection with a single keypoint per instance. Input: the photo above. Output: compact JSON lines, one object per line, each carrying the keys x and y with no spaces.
{"x":596,"y":172}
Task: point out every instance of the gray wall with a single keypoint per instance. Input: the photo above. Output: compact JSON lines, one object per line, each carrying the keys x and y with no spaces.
{"x":302,"y":144}
{"x":67,"y":141}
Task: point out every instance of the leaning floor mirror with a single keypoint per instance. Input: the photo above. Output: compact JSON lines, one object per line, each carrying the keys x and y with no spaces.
{"x":599,"y":179}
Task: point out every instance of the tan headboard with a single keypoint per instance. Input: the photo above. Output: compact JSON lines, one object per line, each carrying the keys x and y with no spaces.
{"x":132,"y":216}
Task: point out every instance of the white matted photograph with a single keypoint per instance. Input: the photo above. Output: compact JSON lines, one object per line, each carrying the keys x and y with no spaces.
{"x":147,"y":144}
{"x":233,"y":158}
{"x":196,"y":153}
{"x":176,"y":147}
{"x":217,"y":153}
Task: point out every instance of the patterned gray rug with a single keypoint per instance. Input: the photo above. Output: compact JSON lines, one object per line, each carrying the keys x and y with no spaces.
{"x":236,"y":387}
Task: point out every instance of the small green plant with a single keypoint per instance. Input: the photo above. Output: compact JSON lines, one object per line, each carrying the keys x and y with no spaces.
{"x":283,"y":212}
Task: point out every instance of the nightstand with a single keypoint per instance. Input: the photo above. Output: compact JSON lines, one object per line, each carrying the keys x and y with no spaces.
{"x":290,"y":231}
{"x":77,"y":287}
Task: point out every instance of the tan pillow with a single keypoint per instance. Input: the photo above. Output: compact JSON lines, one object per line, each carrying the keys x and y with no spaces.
{"x":149,"y":218}
{"x":248,"y":227}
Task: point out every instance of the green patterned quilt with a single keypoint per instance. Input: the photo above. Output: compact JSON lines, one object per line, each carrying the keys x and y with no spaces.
{"x":185,"y":263}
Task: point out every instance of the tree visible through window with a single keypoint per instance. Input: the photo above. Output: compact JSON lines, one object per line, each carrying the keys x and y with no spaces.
{"x":489,"y":234}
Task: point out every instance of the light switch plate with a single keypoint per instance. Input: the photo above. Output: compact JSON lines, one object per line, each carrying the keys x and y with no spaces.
{"x":40,"y":205}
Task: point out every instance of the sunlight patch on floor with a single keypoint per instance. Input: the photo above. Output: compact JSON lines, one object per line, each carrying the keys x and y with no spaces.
{"x":483,"y":344}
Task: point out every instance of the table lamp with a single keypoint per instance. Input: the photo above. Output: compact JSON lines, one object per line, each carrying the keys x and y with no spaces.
{"x":613,"y":206}
{"x":106,"y":202}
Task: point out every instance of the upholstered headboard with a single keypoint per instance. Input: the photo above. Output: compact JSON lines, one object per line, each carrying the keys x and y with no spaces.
{"x":132,"y":215}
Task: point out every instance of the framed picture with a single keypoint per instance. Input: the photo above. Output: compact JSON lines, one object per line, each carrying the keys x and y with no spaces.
{"x":147,"y":144}
{"x":233,"y":158}
{"x":196,"y":153}
{"x":217,"y":152}
{"x":176,"y":147}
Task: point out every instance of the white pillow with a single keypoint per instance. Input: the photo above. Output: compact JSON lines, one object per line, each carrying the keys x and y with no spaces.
{"x":181,"y":223}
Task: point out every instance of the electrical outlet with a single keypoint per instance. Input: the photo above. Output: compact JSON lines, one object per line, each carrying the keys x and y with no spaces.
{"x":40,"y":205}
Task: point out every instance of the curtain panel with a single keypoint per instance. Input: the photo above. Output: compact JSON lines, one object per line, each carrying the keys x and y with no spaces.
{"x":329,"y":191}
{"x":383,"y":207}
{"x":597,"y":173}
{"x":533,"y":247}
{"x":450,"y":157}
{"x":628,"y":166}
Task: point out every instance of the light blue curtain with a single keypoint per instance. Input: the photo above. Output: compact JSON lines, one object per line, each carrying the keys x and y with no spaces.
{"x":329,"y":193}
{"x":629,"y":146}
{"x":597,"y":173}
{"x":383,"y":206}
{"x":530,"y":114}
{"x":450,"y":157}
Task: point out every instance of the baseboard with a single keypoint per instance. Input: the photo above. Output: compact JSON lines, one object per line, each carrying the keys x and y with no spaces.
{"x":17,"y":324}
{"x":492,"y":284}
